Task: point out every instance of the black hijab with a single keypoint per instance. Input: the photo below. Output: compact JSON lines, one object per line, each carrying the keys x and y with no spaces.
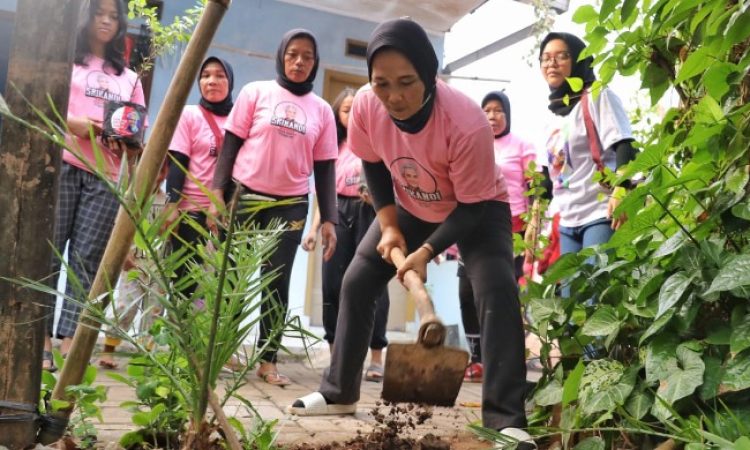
{"x":503,"y":99}
{"x":580,"y":69}
{"x":295,"y":88}
{"x":223,"y":107}
{"x":409,"y":39}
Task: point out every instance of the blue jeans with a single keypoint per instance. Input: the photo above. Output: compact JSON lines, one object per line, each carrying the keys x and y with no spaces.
{"x":572,"y":240}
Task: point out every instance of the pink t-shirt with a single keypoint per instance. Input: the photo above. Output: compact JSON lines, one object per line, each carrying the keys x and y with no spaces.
{"x":348,"y":172}
{"x":284,"y":134}
{"x":513,"y":155}
{"x":194,"y":138}
{"x":451,"y":159}
{"x":90,"y":87}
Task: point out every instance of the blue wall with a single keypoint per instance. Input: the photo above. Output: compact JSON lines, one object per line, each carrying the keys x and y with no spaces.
{"x":8,"y":5}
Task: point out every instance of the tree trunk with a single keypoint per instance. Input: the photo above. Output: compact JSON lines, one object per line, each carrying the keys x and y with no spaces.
{"x":40,"y":65}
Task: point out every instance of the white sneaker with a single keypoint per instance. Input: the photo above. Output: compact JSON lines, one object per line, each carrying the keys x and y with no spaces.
{"x":524,"y":439}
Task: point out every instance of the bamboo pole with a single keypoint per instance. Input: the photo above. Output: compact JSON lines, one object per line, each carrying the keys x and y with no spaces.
{"x":124,"y":229}
{"x":29,"y":168}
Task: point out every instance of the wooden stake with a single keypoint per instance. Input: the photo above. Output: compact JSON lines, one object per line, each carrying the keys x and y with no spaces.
{"x":29,"y":168}
{"x":124,"y":229}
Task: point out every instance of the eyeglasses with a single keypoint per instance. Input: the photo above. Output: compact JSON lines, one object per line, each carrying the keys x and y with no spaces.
{"x":559,"y":58}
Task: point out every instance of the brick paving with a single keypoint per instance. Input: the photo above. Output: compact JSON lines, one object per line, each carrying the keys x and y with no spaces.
{"x":271,"y":402}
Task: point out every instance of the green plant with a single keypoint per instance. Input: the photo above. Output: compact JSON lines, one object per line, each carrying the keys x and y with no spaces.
{"x":666,"y":303}
{"x":87,"y":398}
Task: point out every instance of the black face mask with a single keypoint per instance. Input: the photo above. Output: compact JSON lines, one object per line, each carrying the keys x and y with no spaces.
{"x":409,"y":39}
{"x":295,"y":88}
{"x":223,"y":107}
{"x":581,"y":69}
{"x":503,"y":99}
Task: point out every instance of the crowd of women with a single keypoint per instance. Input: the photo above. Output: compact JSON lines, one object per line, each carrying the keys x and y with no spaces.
{"x":440,"y":170}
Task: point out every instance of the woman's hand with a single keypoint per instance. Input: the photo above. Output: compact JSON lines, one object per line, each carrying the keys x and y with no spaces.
{"x":328,"y":239}
{"x":79,"y":126}
{"x":216,"y":211}
{"x":308,"y":242}
{"x":391,"y":238}
{"x":364,"y":195}
{"x":416,"y":261}
{"x":614,"y":202}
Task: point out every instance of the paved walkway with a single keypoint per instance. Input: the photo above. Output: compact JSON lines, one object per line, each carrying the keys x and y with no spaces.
{"x":271,"y":402}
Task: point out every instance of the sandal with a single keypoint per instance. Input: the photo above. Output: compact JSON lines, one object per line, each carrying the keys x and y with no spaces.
{"x":47,"y":357}
{"x":274,"y":378}
{"x":374,"y":373}
{"x":109,"y":365}
{"x":315,"y":405}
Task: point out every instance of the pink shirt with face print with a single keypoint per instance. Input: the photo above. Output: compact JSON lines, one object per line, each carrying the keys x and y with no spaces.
{"x":450,"y":160}
{"x":194,"y":138}
{"x":90,"y":88}
{"x":284,"y":134}
{"x":348,"y":172}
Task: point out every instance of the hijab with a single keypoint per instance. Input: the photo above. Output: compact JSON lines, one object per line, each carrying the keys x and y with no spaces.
{"x":503,"y":99}
{"x":409,"y":39}
{"x":223,"y":107}
{"x":306,"y":86}
{"x":580,"y":69}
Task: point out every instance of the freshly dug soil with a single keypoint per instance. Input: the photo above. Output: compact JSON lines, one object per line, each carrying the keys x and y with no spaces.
{"x":394,"y":423}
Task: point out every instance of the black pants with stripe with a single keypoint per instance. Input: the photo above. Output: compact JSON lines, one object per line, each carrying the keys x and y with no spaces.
{"x":487,"y":250}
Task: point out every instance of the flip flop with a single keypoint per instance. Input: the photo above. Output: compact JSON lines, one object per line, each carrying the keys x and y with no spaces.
{"x":109,"y":365}
{"x":374,"y":373}
{"x":274,"y":378}
{"x":315,"y":405}
{"x":47,"y":356}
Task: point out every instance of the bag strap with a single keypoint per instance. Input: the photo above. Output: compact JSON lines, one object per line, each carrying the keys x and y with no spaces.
{"x":591,"y":133}
{"x":214,"y":127}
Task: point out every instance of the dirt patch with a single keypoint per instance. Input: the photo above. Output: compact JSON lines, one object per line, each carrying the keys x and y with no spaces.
{"x":394,"y":428}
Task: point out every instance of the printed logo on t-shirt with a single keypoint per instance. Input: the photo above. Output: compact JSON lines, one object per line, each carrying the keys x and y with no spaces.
{"x":103,"y":87}
{"x":415,"y":180}
{"x":290,"y":119}
{"x":558,"y":156}
{"x":351,"y":180}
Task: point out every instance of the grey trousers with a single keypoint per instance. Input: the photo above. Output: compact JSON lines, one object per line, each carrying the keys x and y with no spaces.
{"x":487,"y":250}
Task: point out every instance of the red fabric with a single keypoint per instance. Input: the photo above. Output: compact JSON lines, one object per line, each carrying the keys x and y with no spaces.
{"x":552,"y":251}
{"x":517,"y":224}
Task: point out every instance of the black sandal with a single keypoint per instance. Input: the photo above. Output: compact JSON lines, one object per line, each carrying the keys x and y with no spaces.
{"x":47,"y":356}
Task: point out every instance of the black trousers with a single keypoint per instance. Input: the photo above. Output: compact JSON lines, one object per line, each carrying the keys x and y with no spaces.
{"x":355,"y":217}
{"x":190,"y":237}
{"x":487,"y":251}
{"x":275,"y":302}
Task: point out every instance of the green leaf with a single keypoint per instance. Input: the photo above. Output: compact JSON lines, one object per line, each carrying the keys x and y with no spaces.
{"x":712,"y":377}
{"x":715,"y":79}
{"x":639,"y":403}
{"x":739,"y":29}
{"x":590,"y":443}
{"x":708,"y":111}
{"x":659,"y":357}
{"x":737,"y":374}
{"x":603,"y":322}
{"x":607,"y":8}
{"x":542,"y":309}
{"x":742,"y":210}
{"x":694,"y":65}
{"x":742,"y":443}
{"x":130,"y":439}
{"x":604,"y":386}
{"x":628,"y":7}
{"x":162,"y":391}
{"x":740,"y":338}
{"x":685,"y":376}
{"x":671,"y":245}
{"x":142,"y":419}
{"x":672,"y":291}
{"x":656,"y":326}
{"x":576,"y":84}
{"x":550,"y":394}
{"x":735,"y":273}
{"x":720,"y":335}
{"x":572,"y":383}
{"x":584,"y":14}
{"x":58,"y":405}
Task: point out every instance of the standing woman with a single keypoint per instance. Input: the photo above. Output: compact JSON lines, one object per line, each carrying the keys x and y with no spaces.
{"x":195,"y":149}
{"x":355,"y":216}
{"x":86,"y":207}
{"x":576,"y":154}
{"x":277,"y":135}
{"x":513,"y":155}
{"x":453,"y":192}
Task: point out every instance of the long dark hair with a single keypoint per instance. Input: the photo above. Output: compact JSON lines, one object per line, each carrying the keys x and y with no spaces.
{"x":114,"y":51}
{"x":341,"y":132}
